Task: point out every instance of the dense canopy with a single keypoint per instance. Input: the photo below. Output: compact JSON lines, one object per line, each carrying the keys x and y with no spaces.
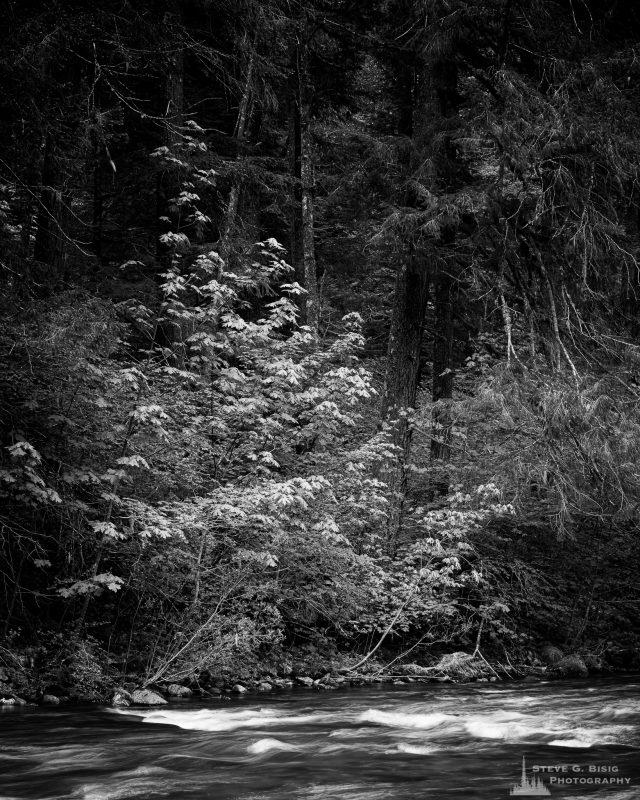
{"x":318,"y":331}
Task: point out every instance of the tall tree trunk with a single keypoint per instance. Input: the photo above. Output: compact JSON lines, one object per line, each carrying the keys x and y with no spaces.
{"x":98,"y":202}
{"x":27,"y":208}
{"x":432,"y":85}
{"x":405,"y":85}
{"x":168,"y":185}
{"x":302,"y":163}
{"x":308,"y":246}
{"x":401,"y":380}
{"x":441,"y":103}
{"x":49,"y":243}
{"x":442,"y":386}
{"x":239,"y":133}
{"x":295,"y":223}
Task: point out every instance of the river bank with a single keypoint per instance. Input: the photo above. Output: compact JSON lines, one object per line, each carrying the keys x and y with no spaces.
{"x":24,"y":680}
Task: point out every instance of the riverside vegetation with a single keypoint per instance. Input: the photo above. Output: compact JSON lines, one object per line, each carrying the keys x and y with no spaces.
{"x":319,"y":345}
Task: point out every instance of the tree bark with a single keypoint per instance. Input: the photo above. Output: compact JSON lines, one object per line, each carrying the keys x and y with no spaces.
{"x":308,"y":245}
{"x":401,"y":379}
{"x":303,"y":245}
{"x":98,"y":200}
{"x":429,"y":84}
{"x":295,"y":222}
{"x":239,"y":133}
{"x":168,"y":185}
{"x":49,"y":243}
{"x":442,"y":386}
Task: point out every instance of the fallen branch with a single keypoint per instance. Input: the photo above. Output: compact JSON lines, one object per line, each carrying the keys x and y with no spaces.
{"x":387,"y":629}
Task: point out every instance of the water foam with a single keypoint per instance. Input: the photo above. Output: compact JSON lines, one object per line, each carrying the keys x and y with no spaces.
{"x":265,"y":745}
{"x":210,"y":720}
{"x":507,"y":731}
{"x":138,"y":782}
{"x":569,"y":743}
{"x":416,"y":750}
{"x":399,"y":720}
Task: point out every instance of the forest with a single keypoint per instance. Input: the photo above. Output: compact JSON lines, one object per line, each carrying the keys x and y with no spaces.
{"x":319,"y":340}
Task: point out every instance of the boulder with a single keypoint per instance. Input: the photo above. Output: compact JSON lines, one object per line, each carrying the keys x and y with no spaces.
{"x":571,"y":666}
{"x":304,"y":680}
{"x":461,"y":666}
{"x":50,"y":700}
{"x":19,"y":701}
{"x":265,"y":686}
{"x":204,"y":677}
{"x":177,"y":690}
{"x":593,"y":662}
{"x":551,"y":655}
{"x":145,"y":697}
{"x":238,"y":688}
{"x":120,"y":698}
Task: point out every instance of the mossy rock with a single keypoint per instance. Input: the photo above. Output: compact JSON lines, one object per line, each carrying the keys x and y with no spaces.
{"x":461,"y":666}
{"x":551,"y":655}
{"x":571,"y":666}
{"x":593,"y":662}
{"x":145,"y":697}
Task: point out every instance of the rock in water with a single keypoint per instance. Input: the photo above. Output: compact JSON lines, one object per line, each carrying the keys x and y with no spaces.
{"x":177,"y":690}
{"x":304,"y":680}
{"x":238,"y":688}
{"x":50,"y":700}
{"x":461,"y":666}
{"x":570,"y":667}
{"x":120,"y":698}
{"x":145,"y":697}
{"x":265,"y":686}
{"x":593,"y":662}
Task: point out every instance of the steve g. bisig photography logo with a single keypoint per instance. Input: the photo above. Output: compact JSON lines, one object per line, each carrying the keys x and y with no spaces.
{"x":544,"y":776}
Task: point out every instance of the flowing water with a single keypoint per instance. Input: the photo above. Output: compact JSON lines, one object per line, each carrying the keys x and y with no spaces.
{"x":414,"y":741}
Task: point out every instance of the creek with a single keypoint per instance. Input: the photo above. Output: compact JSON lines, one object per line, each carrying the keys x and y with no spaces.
{"x":390,"y":743}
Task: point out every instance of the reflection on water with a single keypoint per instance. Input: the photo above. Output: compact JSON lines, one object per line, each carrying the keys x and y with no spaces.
{"x":418,"y":741}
